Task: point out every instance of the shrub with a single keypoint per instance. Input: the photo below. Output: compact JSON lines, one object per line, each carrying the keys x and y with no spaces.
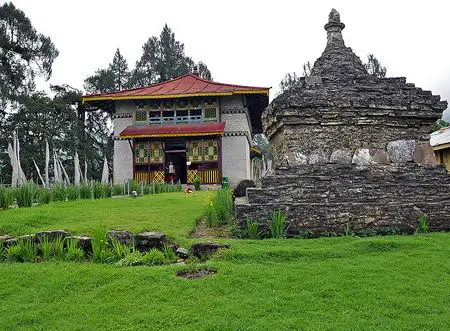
{"x":197,"y":184}
{"x":169,"y":254}
{"x":59,"y":192}
{"x":27,"y":249}
{"x":133,"y":186}
{"x":252,"y":230}
{"x":179,"y":187}
{"x":44,"y":196}
{"x":276,"y":224}
{"x":423,"y":226}
{"x":85,"y":192}
{"x":117,"y":190}
{"x":46,"y":248}
{"x":107,"y":191}
{"x":25,"y":195}
{"x":132,"y":259}
{"x":2,"y":250}
{"x":74,"y":253}
{"x":211,"y":215}
{"x":6,"y":197}
{"x":154,"y":257}
{"x":72,"y":192}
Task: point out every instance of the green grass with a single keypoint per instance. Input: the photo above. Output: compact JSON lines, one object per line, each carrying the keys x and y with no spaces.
{"x":172,"y":213}
{"x":392,"y":283}
{"x":343,"y":283}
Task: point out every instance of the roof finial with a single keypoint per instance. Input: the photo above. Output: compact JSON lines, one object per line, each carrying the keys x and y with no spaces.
{"x":195,"y":70}
{"x":334,"y":28}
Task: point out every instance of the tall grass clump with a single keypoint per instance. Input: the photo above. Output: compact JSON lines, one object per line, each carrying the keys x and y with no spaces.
{"x":134,"y":186}
{"x":107,"y":190}
{"x":46,"y":248}
{"x":169,"y":254}
{"x":220,"y":210}
{"x":44,"y":195}
{"x":58,"y":248}
{"x":97,"y":190}
{"x":154,"y":257}
{"x":6,"y":197}
{"x":179,"y":187}
{"x":120,"y":250}
{"x":85,"y":192}
{"x":73,"y":193}
{"x":73,"y":251}
{"x":2,"y":250}
{"x":28,"y":249}
{"x":252,"y":230}
{"x":59,"y":192}
{"x":101,"y":253}
{"x":25,"y":195}
{"x":277,"y":223}
{"x":118,"y":189}
{"x":423,"y":226}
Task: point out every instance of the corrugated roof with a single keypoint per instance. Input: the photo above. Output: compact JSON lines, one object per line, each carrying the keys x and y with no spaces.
{"x":173,"y":130}
{"x":185,"y":86}
{"x":440,"y":137}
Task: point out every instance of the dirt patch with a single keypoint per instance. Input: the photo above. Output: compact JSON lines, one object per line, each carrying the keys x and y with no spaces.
{"x":195,"y":273}
{"x":204,"y":231}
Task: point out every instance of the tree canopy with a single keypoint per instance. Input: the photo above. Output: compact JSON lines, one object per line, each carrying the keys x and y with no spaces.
{"x":374,"y":67}
{"x":24,"y":54}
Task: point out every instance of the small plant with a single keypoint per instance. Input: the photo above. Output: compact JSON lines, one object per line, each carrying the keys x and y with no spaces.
{"x":44,"y":196}
{"x":85,"y":192}
{"x":117,"y":190}
{"x":25,"y":195}
{"x":73,"y":193}
{"x":6,"y":197}
{"x":46,"y":248}
{"x":169,"y":254}
{"x":154,"y":257}
{"x":252,"y":230}
{"x":14,"y":253}
{"x":74,"y":252}
{"x":179,"y":187}
{"x":423,"y":226}
{"x":59,"y":193}
{"x":276,"y":224}
{"x":107,"y":191}
{"x":58,"y":248}
{"x":120,"y":250}
{"x":197,"y":183}
{"x":27,"y":249}
{"x":220,"y":210}
{"x":132,"y":259}
{"x":2,"y":250}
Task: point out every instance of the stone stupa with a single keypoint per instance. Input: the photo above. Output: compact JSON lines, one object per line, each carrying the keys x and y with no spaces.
{"x":351,"y":151}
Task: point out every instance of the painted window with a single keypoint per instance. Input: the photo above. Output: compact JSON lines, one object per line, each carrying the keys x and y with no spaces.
{"x":141,"y":116}
{"x":195,"y":151}
{"x":141,"y":153}
{"x":210,"y":114}
{"x":156,"y":153}
{"x":211,"y":152}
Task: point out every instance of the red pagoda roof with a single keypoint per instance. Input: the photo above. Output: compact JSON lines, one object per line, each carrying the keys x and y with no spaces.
{"x":173,"y":130}
{"x":185,"y":86}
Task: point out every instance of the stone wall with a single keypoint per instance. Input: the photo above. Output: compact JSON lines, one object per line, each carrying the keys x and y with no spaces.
{"x":327,"y":199}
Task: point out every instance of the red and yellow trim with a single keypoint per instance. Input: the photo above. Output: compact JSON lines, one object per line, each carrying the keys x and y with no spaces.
{"x":169,"y":135}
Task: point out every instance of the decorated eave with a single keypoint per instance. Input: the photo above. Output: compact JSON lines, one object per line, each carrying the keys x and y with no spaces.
{"x":152,"y":131}
{"x":186,"y":86}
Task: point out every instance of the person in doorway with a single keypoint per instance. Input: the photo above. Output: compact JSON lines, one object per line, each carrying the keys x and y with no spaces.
{"x":171,"y":172}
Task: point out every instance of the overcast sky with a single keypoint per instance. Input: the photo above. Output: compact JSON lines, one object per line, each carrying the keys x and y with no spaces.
{"x":248,"y":42}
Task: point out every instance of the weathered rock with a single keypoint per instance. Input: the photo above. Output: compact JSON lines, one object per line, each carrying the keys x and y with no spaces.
{"x":362,"y":157}
{"x":380,"y":157}
{"x":318,"y":156}
{"x":51,"y":235}
{"x":401,"y":151}
{"x":10,"y":242}
{"x":182,"y":252}
{"x":122,"y":236}
{"x":341,"y":156}
{"x":424,"y":154}
{"x":84,"y":242}
{"x":147,"y":240}
{"x":5,"y":237}
{"x":241,"y":188}
{"x":202,"y":250}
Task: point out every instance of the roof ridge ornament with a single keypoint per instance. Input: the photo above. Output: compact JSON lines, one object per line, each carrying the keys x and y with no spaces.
{"x":334,"y":28}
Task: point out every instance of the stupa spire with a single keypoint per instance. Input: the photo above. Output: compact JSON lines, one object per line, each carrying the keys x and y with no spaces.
{"x":334,"y":29}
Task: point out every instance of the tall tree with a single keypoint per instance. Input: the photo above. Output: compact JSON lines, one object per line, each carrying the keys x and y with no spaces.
{"x":114,"y":78}
{"x":164,"y":58}
{"x":24,"y":54}
{"x":374,"y":67}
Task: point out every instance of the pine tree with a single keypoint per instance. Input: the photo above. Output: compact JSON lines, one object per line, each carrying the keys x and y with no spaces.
{"x":119,"y":71}
{"x":374,"y":67}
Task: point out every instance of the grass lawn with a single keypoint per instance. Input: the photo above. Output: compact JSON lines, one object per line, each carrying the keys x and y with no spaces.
{"x":346,"y":283}
{"x":173,"y":213}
